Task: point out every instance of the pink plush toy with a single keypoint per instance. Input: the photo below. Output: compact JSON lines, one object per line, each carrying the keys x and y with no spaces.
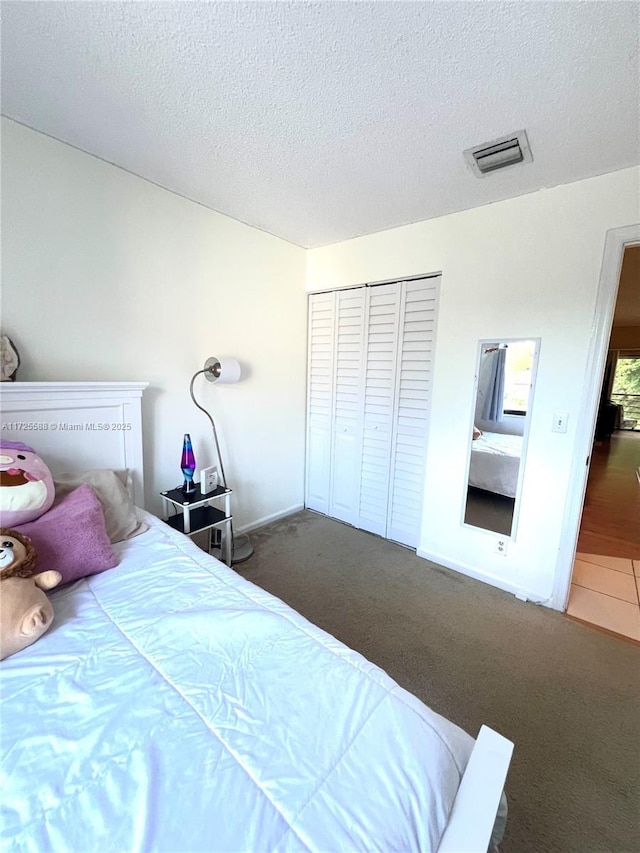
{"x":26,"y":484}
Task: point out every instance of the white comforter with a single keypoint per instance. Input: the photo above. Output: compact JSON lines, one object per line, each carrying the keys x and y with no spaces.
{"x":495,"y":463}
{"x":174,"y":706}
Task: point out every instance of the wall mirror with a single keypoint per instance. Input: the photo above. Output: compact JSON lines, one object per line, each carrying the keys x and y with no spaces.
{"x":505,"y":381}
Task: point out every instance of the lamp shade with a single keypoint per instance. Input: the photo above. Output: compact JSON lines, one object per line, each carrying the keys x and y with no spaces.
{"x":222,"y":370}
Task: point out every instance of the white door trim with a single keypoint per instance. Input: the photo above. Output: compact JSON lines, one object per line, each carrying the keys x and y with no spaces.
{"x":616,"y":241}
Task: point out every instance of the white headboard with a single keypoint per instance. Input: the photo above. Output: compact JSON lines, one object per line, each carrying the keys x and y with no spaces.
{"x":75,"y":426}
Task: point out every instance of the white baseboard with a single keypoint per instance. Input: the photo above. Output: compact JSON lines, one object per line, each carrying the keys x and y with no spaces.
{"x":268,"y":519}
{"x":485,"y":577}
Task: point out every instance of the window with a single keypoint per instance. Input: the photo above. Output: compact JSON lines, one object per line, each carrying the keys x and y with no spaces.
{"x":517,"y":377}
{"x":626,"y":389}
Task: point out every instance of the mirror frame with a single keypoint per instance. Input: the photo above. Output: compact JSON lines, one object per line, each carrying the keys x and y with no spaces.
{"x":483,"y":342}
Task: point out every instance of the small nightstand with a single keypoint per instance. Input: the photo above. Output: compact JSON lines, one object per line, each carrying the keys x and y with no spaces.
{"x":197,"y":515}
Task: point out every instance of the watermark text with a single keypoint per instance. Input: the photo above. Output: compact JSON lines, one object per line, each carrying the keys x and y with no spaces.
{"x":66,"y":426}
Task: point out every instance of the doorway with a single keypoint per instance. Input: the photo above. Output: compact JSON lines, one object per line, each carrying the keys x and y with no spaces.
{"x":605,"y":581}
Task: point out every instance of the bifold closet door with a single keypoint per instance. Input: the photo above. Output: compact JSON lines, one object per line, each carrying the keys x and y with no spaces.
{"x":414,"y":369}
{"x":347,"y":412}
{"x":370,"y":372}
{"x":378,"y":398}
{"x":320,"y":391}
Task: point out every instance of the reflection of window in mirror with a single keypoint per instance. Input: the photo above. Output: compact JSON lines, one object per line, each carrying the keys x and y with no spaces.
{"x":517,"y":377}
{"x":505,"y":377}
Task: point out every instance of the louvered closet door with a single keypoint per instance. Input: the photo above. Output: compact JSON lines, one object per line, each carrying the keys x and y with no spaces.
{"x":347,"y":418}
{"x":416,"y":339}
{"x":380,"y":358}
{"x":320,"y":386}
{"x":370,"y":369}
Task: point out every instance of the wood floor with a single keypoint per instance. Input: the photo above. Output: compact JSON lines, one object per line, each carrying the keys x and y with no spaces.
{"x":611,"y":517}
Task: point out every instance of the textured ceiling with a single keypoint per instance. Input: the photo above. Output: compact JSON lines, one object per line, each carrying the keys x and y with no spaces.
{"x":323,"y":121}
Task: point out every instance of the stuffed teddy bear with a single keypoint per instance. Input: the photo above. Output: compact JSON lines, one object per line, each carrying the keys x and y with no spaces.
{"x":26,"y":484}
{"x":17,"y":555}
{"x":25,"y":610}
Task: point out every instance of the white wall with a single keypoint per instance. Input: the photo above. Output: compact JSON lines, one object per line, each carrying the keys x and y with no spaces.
{"x":108,"y":277}
{"x":527,"y":267}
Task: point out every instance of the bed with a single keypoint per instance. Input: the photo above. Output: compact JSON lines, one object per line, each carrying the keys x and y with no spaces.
{"x":495,"y":463}
{"x":174,"y":706}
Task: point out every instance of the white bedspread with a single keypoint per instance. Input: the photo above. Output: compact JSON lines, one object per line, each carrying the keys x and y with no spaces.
{"x":174,"y":706}
{"x":495,"y":462}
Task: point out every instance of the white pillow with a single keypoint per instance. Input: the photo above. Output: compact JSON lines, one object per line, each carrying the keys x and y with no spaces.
{"x":119,"y":512}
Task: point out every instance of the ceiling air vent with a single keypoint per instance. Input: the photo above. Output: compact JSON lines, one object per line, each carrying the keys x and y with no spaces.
{"x":506,"y":151}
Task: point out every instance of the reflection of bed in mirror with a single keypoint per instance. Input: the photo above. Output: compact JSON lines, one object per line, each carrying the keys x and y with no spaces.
{"x":495,"y":461}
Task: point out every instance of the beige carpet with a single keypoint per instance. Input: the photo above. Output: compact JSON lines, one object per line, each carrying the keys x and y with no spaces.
{"x":567,"y":695}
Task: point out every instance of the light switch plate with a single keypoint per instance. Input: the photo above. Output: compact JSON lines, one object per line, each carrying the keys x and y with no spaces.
{"x":560,"y":422}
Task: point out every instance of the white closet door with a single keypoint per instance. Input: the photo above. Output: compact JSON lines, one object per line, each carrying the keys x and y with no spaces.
{"x":380,"y":357}
{"x":416,"y":339}
{"x":320,"y":386}
{"x":347,"y":419}
{"x":370,"y":373}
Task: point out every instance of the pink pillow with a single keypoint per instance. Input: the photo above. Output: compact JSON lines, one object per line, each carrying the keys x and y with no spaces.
{"x":71,"y":537}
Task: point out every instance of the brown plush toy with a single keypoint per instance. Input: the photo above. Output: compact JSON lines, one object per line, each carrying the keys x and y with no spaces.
{"x":25,"y":610}
{"x":17,"y":555}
